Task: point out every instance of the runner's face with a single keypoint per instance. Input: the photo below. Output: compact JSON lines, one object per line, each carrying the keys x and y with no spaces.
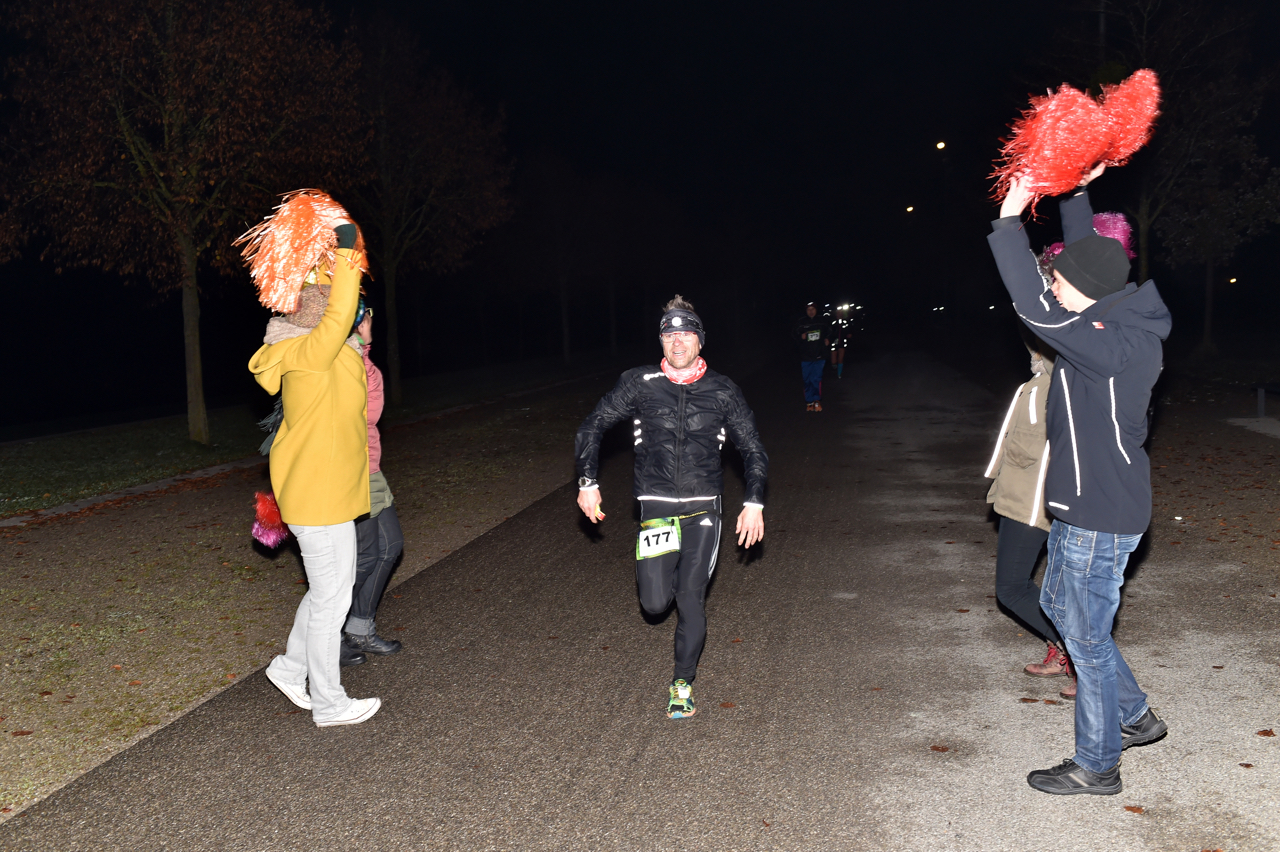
{"x":680,"y":348}
{"x":811,"y":311}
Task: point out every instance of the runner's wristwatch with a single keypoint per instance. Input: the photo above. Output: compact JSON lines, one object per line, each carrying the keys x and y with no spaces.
{"x":586,"y":482}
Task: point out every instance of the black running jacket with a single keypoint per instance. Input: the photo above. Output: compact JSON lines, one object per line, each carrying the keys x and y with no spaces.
{"x":678,"y":433}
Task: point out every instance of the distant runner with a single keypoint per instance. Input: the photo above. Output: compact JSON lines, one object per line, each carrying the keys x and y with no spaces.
{"x":813,"y":332}
{"x":681,"y":412}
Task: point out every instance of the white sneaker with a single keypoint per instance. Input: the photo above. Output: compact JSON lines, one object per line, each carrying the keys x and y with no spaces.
{"x":361,"y":709}
{"x":297,"y":693}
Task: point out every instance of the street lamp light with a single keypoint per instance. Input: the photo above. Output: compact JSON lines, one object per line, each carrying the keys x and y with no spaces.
{"x":941,"y":145}
{"x":909,"y":209}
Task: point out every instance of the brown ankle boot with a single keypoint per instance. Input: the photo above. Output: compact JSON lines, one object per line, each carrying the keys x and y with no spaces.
{"x":1055,"y":664}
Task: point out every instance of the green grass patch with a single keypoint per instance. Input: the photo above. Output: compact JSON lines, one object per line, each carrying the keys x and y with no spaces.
{"x":44,"y":472}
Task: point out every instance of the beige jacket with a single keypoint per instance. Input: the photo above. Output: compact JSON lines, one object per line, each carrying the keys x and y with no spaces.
{"x":1022,"y":452}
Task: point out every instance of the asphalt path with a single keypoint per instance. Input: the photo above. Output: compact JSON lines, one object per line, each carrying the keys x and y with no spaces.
{"x":860,"y":688}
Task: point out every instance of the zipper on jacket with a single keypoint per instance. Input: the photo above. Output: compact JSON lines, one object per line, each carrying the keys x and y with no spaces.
{"x":1111,"y":384}
{"x":679,"y":434}
{"x":1071,"y":424}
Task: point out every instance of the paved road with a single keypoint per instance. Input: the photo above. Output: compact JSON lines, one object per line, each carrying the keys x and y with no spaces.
{"x":859,"y":689}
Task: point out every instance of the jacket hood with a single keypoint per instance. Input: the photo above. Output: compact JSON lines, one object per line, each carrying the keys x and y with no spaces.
{"x":1139,"y":307}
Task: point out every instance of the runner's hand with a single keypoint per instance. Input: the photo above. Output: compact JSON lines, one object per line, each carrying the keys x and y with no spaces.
{"x":589,"y":503}
{"x":750,"y":527}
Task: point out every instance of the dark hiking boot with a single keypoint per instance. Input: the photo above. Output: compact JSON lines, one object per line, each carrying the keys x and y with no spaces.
{"x":1148,"y":729}
{"x":1070,"y":778}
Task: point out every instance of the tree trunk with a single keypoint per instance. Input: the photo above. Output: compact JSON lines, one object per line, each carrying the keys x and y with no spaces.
{"x":197,"y":415}
{"x":564,"y":320}
{"x":1206,"y":339}
{"x":391,"y":328}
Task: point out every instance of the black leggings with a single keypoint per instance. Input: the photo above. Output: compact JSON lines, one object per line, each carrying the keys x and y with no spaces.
{"x":682,"y":575}
{"x":1017,"y":552}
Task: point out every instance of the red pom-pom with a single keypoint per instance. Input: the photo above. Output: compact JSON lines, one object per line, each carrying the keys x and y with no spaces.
{"x":1055,"y":142}
{"x":1064,"y":135}
{"x":268,"y":527}
{"x":1131,"y":109}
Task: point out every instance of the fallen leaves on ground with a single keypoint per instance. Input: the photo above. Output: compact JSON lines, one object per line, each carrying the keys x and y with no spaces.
{"x":1266,"y":732}
{"x":1133,"y":809}
{"x":939,"y":748}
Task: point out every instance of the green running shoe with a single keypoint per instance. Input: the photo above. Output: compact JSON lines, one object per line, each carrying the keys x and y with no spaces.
{"x":680,"y":702}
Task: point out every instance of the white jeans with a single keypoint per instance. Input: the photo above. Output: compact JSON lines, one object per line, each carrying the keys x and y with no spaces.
{"x":329,"y":556}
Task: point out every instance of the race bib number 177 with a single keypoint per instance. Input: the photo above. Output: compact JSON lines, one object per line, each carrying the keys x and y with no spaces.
{"x":658,"y":536}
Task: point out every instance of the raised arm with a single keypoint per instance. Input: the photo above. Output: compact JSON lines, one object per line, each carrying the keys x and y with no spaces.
{"x":1070,"y":333}
{"x":318,"y":349}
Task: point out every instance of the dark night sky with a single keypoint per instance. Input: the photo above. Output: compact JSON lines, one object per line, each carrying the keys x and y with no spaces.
{"x":796,"y":132}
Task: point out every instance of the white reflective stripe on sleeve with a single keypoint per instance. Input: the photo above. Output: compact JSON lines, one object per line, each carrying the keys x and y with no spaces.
{"x":711,"y":569}
{"x":995,"y":457}
{"x":1071,"y":424}
{"x":759,"y":506}
{"x":1031,"y":407}
{"x":1047,"y":325}
{"x":1111,"y":383}
{"x":1059,"y":506}
{"x":589,"y":488}
{"x":1035,"y":501}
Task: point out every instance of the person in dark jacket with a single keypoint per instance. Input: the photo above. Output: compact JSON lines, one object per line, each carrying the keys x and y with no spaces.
{"x":814,"y":333}
{"x":1108,"y":334}
{"x":681,"y":414}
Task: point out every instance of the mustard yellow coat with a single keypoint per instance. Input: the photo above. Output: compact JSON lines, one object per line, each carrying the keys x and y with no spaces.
{"x":320,"y":457}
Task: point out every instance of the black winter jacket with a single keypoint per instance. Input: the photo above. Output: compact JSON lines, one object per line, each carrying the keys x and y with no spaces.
{"x":1110,"y":355}
{"x":679,"y":431}
{"x":816,"y":332}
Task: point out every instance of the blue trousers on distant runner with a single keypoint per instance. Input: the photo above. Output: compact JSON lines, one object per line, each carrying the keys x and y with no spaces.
{"x":812,"y":372}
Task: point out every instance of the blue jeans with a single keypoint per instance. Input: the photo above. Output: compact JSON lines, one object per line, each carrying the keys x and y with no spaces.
{"x":1080,"y":594}
{"x":812,"y":372}
{"x":379,"y":545}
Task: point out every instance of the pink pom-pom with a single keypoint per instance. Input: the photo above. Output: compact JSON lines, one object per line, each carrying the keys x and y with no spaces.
{"x":1051,"y":252}
{"x":268,"y":527}
{"x":1054,"y":143}
{"x":1115,"y":226}
{"x":1131,"y":109}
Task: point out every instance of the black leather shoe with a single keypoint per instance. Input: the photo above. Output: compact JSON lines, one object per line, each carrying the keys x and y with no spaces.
{"x":372,"y":644}
{"x":1069,"y":778}
{"x":1148,"y":729}
{"x":349,"y":656}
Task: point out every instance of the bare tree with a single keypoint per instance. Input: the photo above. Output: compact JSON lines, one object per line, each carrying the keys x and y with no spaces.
{"x":438,"y":171}
{"x":149,"y":131}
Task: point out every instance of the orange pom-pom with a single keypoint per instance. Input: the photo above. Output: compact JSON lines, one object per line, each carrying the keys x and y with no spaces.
{"x":283,"y":248}
{"x":1131,"y":109}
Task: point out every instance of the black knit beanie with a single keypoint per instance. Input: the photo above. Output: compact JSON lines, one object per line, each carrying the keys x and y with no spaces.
{"x":1096,"y":266}
{"x":676,"y":320}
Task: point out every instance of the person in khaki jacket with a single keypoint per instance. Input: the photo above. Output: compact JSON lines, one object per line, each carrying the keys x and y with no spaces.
{"x":1017,"y":495}
{"x":307,"y":260}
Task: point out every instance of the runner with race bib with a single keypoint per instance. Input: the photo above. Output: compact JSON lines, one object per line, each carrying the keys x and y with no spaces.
{"x":681,"y":414}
